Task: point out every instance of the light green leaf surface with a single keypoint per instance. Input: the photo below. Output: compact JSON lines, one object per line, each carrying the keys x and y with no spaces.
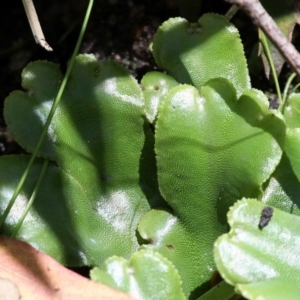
{"x":292,"y":111}
{"x":262,"y":264}
{"x":211,"y":150}
{"x":283,"y":188}
{"x":155,"y":86}
{"x":146,"y":276}
{"x":56,"y":223}
{"x":96,"y":138}
{"x":292,"y":149}
{"x":292,"y":141}
{"x":195,"y":53}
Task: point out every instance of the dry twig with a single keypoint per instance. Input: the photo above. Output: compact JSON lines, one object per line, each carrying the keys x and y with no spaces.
{"x":35,"y":24}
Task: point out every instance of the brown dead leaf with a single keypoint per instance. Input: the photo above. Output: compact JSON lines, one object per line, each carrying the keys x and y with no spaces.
{"x":8,"y":290}
{"x":29,"y":274}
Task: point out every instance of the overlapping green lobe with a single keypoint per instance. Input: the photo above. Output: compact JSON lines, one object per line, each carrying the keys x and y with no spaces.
{"x":195,"y":53}
{"x":211,"y":150}
{"x":260,"y":263}
{"x":292,"y":141}
{"x":292,"y":110}
{"x":96,"y":139}
{"x":56,"y":224}
{"x":155,"y":86}
{"x":283,"y":188}
{"x":147,"y":275}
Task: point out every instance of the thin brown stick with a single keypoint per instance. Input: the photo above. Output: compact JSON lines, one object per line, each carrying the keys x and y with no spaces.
{"x":232,"y":11}
{"x":35,"y":24}
{"x":263,"y":20}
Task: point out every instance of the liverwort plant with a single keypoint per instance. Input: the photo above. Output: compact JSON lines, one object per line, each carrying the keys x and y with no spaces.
{"x":218,"y":135}
{"x":92,"y":184}
{"x":266,"y":273}
{"x":145,"y":206}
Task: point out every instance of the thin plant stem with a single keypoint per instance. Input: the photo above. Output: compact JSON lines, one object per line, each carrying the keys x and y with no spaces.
{"x":232,"y":11}
{"x":285,"y":92}
{"x":272,"y":67}
{"x":32,"y":198}
{"x":295,"y":88}
{"x":50,"y":116}
{"x":222,"y":291}
{"x":265,"y":22}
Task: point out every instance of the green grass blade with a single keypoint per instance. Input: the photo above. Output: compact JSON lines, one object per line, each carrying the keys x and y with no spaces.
{"x":271,"y":63}
{"x":32,"y":198}
{"x":285,"y":92}
{"x":222,"y":291}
